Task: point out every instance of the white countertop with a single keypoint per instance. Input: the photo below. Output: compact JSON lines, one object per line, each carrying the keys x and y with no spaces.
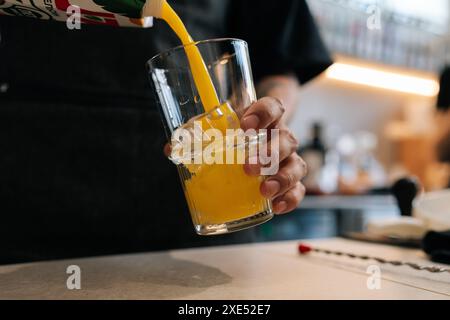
{"x":258,"y":271}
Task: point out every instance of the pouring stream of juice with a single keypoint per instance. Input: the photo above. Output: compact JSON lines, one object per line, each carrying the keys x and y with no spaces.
{"x":199,"y":69}
{"x":215,"y":193}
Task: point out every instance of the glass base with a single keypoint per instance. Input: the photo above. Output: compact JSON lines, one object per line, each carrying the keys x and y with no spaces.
{"x":238,"y":225}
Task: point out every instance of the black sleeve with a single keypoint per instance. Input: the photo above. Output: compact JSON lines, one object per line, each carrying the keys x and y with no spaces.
{"x":282,"y":37}
{"x":443,"y":102}
{"x":443,"y":148}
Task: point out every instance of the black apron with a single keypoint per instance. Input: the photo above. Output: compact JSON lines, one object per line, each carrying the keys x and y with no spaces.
{"x":81,"y":165}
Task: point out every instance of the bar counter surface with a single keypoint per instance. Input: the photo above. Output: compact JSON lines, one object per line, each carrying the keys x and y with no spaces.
{"x":256,"y":271}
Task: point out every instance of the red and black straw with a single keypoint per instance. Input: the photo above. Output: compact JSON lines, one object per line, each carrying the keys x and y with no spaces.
{"x":305,"y":249}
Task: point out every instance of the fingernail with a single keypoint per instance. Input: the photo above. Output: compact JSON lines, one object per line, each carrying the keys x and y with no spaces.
{"x":280,"y":207}
{"x":271,"y":188}
{"x":252,"y":169}
{"x":250,"y":122}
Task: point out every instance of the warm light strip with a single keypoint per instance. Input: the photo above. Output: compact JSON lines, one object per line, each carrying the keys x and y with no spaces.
{"x":383,"y":79}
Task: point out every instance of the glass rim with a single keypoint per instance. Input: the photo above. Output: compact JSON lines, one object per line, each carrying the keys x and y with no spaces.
{"x":195,"y":43}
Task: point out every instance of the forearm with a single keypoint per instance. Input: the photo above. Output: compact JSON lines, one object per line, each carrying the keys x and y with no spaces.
{"x":284,"y":88}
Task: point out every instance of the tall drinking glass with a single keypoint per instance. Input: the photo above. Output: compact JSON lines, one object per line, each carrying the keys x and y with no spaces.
{"x":221,"y":197}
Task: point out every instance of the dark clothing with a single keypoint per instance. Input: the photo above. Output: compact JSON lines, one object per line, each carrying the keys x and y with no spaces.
{"x":443,"y":105}
{"x":437,"y":246}
{"x":443,"y":148}
{"x":81,"y":165}
{"x":443,"y":102}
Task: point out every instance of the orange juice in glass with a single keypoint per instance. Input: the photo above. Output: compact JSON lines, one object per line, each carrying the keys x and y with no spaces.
{"x":221,"y":197}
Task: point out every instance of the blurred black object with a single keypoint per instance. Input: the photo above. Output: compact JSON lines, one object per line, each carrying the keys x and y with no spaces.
{"x":405,"y":190}
{"x":443,"y":102}
{"x":387,"y":240}
{"x":437,"y":246}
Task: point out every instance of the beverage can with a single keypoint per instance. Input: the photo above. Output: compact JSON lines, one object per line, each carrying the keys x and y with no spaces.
{"x":118,"y":13}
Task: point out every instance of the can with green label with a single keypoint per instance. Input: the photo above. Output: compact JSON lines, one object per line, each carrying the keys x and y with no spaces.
{"x":119,"y":13}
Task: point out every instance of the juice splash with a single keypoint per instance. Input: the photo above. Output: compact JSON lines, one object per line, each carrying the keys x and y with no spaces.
{"x":203,"y":81}
{"x":217,"y":193}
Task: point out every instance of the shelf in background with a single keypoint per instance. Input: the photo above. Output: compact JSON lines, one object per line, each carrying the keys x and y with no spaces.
{"x":366,"y":202}
{"x":416,"y":41}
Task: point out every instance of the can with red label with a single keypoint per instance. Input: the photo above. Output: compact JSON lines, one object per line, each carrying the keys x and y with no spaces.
{"x":119,"y":13}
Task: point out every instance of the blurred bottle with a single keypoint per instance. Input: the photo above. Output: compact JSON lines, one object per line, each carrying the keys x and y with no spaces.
{"x":314,"y":154}
{"x":360,"y":171}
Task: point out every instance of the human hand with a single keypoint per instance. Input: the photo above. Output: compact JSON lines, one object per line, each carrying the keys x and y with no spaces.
{"x":284,"y":188}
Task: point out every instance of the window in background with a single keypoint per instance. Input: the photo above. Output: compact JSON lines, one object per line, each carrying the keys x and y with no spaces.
{"x":413,"y":34}
{"x":435,"y":11}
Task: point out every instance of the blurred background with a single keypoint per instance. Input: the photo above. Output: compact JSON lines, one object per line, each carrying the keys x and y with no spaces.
{"x":373,"y":117}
